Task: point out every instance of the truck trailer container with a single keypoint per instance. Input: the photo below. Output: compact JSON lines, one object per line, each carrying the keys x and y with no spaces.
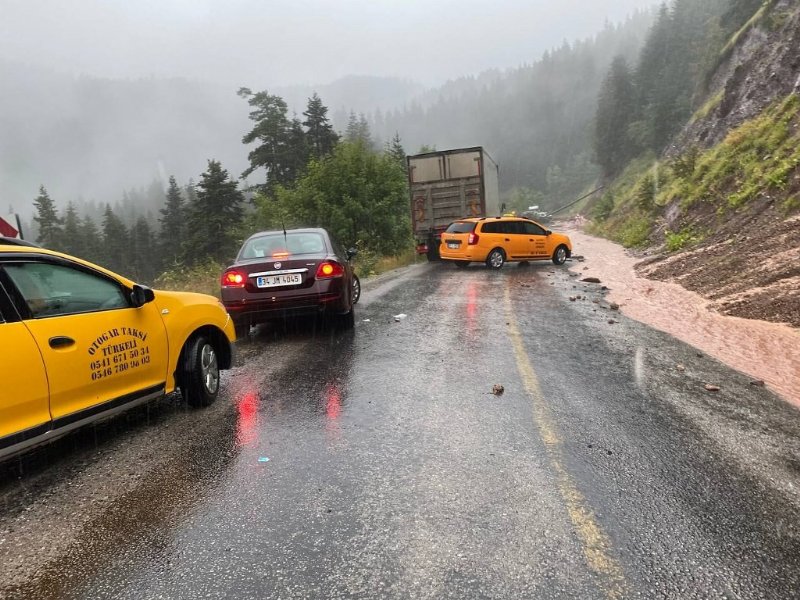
{"x":447,"y":185}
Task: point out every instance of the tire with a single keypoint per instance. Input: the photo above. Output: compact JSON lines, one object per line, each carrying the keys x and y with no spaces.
{"x":356,"y":289}
{"x":560,"y":255}
{"x":433,"y":251}
{"x":496,"y":259}
{"x":199,"y":378}
{"x":242,"y":329}
{"x":348,"y":321}
{"x":461,"y":264}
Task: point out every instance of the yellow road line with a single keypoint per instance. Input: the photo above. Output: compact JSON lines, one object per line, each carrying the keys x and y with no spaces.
{"x":595,"y":543}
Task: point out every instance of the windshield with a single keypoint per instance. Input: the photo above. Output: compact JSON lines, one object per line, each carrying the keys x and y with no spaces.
{"x":279,"y":246}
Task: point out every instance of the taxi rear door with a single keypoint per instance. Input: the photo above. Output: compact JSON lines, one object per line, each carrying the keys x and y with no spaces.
{"x":516,"y":242}
{"x":24,"y":412}
{"x":100,"y":352}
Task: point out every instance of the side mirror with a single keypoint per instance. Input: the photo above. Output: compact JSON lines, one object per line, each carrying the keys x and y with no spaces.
{"x":547,"y":232}
{"x":141,"y":295}
{"x":351,"y":252}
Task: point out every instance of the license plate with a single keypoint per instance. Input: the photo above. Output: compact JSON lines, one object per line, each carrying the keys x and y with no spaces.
{"x":279,"y":280}
{"x":453,"y":245}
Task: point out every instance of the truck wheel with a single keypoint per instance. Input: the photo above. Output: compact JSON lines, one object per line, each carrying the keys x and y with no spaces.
{"x":496,"y":259}
{"x":199,"y":377}
{"x":433,"y":253}
{"x":560,"y":255}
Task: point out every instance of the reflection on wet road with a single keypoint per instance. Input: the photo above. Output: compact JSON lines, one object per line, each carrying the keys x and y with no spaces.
{"x":377,"y":463}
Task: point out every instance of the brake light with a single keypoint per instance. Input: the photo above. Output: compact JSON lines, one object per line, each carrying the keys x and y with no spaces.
{"x":473,"y":239}
{"x":329,"y":270}
{"x":233,"y":279}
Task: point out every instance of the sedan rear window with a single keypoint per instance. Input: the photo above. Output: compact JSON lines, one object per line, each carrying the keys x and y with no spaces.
{"x":278,"y":244}
{"x":461,"y":227}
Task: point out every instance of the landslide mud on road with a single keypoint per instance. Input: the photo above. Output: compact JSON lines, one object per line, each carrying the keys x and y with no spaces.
{"x":765,"y":351}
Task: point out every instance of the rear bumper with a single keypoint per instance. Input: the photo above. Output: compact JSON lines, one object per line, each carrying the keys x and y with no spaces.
{"x":472,"y":254}
{"x":275,"y":309}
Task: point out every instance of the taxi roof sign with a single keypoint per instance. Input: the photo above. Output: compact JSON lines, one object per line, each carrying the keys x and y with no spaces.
{"x":9,"y":226}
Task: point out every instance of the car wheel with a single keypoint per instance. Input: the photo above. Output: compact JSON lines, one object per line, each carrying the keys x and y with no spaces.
{"x":560,"y":255}
{"x":348,"y":321}
{"x":199,"y":379}
{"x":356,"y":289}
{"x":496,"y":259}
{"x":461,"y":264}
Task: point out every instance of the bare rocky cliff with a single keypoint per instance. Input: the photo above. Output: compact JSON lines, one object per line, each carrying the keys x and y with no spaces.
{"x":759,"y":66}
{"x":736,"y":200}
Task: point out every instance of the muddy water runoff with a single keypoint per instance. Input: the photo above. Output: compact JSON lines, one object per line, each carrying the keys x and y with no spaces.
{"x":765,"y":351}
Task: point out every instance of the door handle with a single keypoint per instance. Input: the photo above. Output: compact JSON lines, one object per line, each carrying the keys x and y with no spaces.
{"x":508,"y":240}
{"x":61,"y":341}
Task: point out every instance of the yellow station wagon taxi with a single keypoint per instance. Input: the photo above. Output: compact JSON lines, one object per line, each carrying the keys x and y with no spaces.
{"x":497,"y":240}
{"x":79,"y":343}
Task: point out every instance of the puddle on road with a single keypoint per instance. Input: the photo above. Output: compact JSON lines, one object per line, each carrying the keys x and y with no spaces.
{"x":762,"y":350}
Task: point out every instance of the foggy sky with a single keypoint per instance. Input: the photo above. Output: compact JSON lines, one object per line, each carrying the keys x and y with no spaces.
{"x":264,"y":43}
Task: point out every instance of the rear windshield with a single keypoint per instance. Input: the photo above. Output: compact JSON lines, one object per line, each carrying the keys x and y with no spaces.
{"x":276,"y":245}
{"x":461,"y":227}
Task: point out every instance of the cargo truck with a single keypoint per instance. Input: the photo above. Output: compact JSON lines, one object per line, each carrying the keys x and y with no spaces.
{"x":448,"y":185}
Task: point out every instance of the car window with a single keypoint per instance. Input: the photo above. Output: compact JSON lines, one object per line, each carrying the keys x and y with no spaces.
{"x":267,"y":246}
{"x":514,"y":227}
{"x":492,"y":227}
{"x":52,"y":290}
{"x":533,"y":229}
{"x":461,"y":227}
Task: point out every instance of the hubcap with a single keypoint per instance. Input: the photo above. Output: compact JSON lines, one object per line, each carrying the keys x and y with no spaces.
{"x":356,"y":290}
{"x":496,"y":260}
{"x":561,"y":255}
{"x":210,"y":368}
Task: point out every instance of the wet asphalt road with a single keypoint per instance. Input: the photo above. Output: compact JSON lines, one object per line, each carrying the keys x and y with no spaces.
{"x":602,"y":471}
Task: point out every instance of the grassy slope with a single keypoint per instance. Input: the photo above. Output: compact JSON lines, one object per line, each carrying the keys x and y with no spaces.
{"x":680,"y":202}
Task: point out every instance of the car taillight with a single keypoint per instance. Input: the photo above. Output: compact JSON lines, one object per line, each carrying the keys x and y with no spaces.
{"x":329,"y":269}
{"x":473,"y":239}
{"x":233,"y":279}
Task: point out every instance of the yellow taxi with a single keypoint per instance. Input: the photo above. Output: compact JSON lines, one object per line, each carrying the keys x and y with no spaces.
{"x":498,"y":240}
{"x":79,"y":343}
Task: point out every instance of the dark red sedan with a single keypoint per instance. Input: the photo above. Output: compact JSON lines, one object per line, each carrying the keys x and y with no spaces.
{"x":280,"y":274}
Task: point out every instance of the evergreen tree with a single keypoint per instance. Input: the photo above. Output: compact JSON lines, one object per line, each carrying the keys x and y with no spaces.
{"x":172,"y":233}
{"x":115,"y":247}
{"x":47,"y":220}
{"x":73,"y":242}
{"x":394,"y":149}
{"x":91,"y":240}
{"x":615,"y":110}
{"x":358,"y":130}
{"x":275,"y":135}
{"x":297,"y":151}
{"x":142,"y":251}
{"x":213,"y":218}
{"x":321,"y":136}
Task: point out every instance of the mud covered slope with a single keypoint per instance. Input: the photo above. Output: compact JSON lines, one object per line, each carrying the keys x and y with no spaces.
{"x":720,"y":211}
{"x":754,"y":273}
